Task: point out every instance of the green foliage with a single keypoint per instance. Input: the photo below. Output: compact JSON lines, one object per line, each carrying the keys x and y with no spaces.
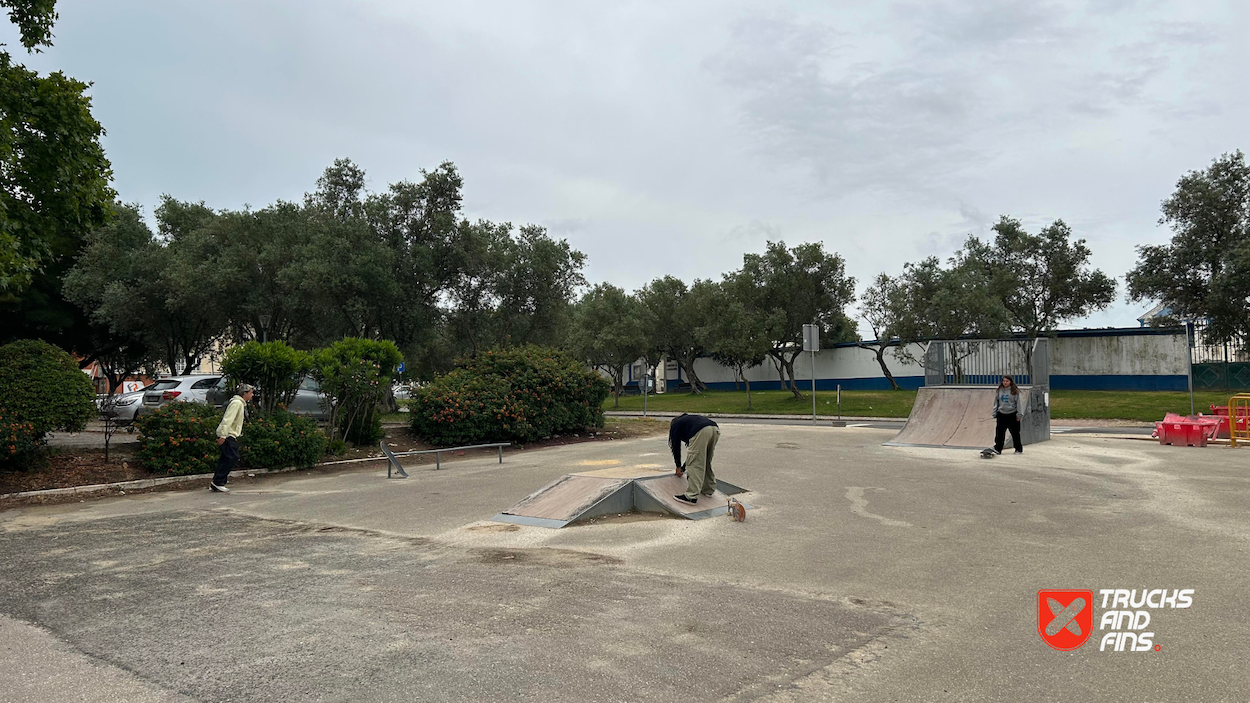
{"x":163,"y":291}
{"x":178,"y":439}
{"x":54,"y":176}
{"x":355,"y":375}
{"x":18,"y":441}
{"x":40,"y":384}
{"x":670,"y":311}
{"x":736,"y":333}
{"x":274,"y":368}
{"x":1040,"y":279}
{"x":1204,"y":271}
{"x":277,"y":439}
{"x":520,"y":395}
{"x":609,"y":332}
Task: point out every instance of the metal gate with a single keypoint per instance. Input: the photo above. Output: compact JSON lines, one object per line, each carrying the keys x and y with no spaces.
{"x":983,"y":362}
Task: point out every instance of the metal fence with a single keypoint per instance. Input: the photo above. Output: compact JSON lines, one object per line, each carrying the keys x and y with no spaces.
{"x":983,"y":362}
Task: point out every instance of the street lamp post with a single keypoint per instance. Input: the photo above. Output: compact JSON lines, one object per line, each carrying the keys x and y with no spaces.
{"x":264,"y":327}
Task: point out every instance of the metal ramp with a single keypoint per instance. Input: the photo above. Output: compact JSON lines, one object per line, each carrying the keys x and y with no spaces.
{"x":581,"y":496}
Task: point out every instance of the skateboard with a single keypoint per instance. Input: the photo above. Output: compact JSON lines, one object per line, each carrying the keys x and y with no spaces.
{"x":988,"y":453}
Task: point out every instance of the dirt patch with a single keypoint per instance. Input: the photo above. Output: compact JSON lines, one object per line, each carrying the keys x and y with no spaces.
{"x":81,"y":467}
{"x":787,"y":445}
{"x":543,"y":557}
{"x":493,"y":528}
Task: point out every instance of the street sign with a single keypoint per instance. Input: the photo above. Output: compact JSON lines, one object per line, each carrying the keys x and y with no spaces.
{"x":811,"y":338}
{"x":400,"y":368}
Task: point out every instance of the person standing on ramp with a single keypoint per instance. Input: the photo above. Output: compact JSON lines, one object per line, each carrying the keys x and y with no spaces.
{"x":700,"y":435}
{"x":1007,"y":415}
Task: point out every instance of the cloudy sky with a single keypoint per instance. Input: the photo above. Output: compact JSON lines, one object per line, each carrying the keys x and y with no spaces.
{"x":672,"y":137}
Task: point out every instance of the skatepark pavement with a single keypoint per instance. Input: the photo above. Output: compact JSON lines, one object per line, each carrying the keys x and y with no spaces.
{"x":864,"y":573}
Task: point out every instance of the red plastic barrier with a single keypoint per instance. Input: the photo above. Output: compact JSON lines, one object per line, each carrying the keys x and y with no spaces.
{"x":1187,"y":431}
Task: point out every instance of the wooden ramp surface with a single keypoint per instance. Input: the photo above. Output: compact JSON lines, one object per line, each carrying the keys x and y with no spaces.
{"x":566,"y":498}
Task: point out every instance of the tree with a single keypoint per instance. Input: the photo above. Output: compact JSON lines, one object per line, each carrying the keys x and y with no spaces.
{"x":792,"y":287}
{"x":931,"y":302}
{"x":608,"y":333}
{"x":54,"y":177}
{"x":736,"y":334}
{"x":162,"y":291}
{"x":1204,"y":271}
{"x":671,"y":312}
{"x":1041,"y":279}
{"x":876,"y":310}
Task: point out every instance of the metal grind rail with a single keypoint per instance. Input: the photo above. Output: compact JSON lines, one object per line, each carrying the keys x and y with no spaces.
{"x":392,"y":458}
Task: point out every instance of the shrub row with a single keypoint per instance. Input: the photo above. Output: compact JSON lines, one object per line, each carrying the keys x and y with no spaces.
{"x":41,"y":391}
{"x":180,"y":438}
{"x":516,"y":395}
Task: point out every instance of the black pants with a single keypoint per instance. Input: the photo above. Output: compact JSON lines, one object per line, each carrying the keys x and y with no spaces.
{"x":1004,"y":423}
{"x":225,"y":463}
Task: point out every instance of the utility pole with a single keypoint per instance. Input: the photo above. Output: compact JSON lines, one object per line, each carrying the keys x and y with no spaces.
{"x":811,"y":343}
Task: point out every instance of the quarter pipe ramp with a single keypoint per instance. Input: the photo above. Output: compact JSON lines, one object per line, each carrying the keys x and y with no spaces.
{"x":959,"y":417}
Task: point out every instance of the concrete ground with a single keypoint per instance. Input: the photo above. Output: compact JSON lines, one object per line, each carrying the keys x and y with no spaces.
{"x":864,"y":573}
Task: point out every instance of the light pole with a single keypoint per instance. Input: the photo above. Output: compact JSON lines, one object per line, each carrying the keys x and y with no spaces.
{"x":264,"y":327}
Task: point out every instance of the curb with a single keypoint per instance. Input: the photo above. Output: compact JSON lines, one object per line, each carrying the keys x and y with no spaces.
{"x":138,"y":483}
{"x":756,"y":416}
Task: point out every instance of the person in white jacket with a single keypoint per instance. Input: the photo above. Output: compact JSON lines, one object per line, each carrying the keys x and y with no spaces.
{"x":228,"y":432}
{"x":1008,"y":411}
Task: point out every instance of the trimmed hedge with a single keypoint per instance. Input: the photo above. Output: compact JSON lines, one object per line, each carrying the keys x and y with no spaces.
{"x":511,"y":395}
{"x":41,"y":391}
{"x":181,"y":438}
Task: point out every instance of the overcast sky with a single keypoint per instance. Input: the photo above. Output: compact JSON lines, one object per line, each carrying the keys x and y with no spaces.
{"x":672,"y":137}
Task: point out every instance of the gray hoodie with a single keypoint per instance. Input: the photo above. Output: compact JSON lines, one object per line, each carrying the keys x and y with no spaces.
{"x":1005,"y":403}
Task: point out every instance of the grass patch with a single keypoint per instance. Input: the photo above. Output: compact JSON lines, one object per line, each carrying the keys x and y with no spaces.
{"x":1146,"y":406}
{"x":1143,"y":406}
{"x":863,"y":403}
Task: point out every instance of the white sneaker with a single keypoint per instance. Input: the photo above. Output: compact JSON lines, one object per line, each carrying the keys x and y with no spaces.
{"x":219,"y":489}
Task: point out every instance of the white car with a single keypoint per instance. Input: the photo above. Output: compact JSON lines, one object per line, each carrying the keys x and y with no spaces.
{"x":177,"y":389}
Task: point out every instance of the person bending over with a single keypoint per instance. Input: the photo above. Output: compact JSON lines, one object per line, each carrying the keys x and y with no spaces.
{"x":700,"y":436}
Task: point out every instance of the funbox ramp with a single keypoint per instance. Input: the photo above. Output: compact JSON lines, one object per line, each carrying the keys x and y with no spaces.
{"x":582,"y":496}
{"x":959,"y":417}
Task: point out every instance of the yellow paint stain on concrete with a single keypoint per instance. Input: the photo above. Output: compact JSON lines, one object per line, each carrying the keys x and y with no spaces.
{"x":599,"y":462}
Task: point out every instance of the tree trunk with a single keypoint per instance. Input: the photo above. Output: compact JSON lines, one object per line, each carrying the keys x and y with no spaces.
{"x":794,"y":384}
{"x":696,"y":386}
{"x":780,"y":366}
{"x":618,"y":377}
{"x":886,"y":369}
{"x":747,"y":381}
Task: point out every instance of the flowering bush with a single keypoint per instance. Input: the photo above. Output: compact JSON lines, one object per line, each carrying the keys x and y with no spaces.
{"x":41,"y":391}
{"x":178,"y":438}
{"x":278,"y":439}
{"x":355,"y":375}
{"x":181,"y":438}
{"x":18,"y":440}
{"x":517,"y":395}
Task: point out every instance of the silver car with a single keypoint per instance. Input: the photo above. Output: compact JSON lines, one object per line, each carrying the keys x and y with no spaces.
{"x":308,"y":400}
{"x":123,"y":408}
{"x":177,"y":389}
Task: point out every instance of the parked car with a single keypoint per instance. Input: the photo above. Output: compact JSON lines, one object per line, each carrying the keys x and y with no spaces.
{"x":124,"y":408}
{"x":308,"y":400}
{"x":177,"y":389}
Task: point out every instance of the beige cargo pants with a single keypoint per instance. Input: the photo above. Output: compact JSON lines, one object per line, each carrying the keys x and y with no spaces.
{"x":699,"y":477}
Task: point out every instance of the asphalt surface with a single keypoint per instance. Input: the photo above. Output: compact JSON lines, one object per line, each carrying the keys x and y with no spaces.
{"x":864,"y":573}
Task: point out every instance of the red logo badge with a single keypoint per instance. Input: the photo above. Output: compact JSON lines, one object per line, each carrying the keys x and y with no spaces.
{"x":1065,"y":618}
